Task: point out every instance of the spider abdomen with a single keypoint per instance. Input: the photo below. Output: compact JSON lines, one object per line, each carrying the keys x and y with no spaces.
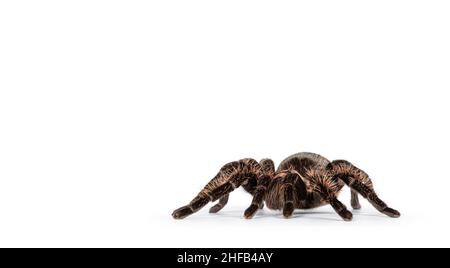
{"x":304,"y":161}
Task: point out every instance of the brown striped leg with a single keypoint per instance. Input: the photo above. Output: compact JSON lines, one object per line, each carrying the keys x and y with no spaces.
{"x":340,"y":209}
{"x":361,"y":183}
{"x":368,"y":192}
{"x":293,"y":188}
{"x":327,"y":187}
{"x":222,"y":202}
{"x":355,"y":200}
{"x":258,"y":197}
{"x":381,"y":206}
{"x":288,"y":194}
{"x":195,"y":205}
{"x":330,"y":197}
{"x":230,"y":176}
{"x":288,"y":199}
{"x":204,"y":197}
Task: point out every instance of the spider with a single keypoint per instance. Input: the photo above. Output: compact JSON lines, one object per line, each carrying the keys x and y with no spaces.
{"x":302,"y":181}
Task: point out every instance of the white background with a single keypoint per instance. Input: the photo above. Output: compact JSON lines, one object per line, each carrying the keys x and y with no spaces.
{"x":114,"y":113}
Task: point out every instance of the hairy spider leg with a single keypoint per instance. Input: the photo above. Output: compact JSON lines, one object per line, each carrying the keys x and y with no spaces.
{"x":360,"y":182}
{"x":222,"y":202}
{"x":355,"y":200}
{"x":230,"y":177}
{"x":292,"y":188}
{"x":328,"y":188}
{"x":258,"y":197}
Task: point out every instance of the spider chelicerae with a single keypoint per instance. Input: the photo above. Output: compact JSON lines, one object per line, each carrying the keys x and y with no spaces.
{"x":302,"y":181}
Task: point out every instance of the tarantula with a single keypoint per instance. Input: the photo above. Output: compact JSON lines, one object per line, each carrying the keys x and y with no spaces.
{"x":302,"y":181}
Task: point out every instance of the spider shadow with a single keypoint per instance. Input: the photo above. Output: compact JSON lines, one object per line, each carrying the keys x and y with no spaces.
{"x":367,"y":214}
{"x":305,"y":214}
{"x":357,"y":212}
{"x":262,"y":214}
{"x":317,"y":215}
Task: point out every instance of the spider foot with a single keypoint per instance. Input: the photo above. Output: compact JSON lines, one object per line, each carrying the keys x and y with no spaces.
{"x":182,"y":212}
{"x":250,"y":211}
{"x":347,"y":216}
{"x":215,"y":208}
{"x":288,"y":209}
{"x":391,"y":212}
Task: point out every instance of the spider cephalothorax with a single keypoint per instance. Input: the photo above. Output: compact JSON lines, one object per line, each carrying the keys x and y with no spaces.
{"x":302,"y":181}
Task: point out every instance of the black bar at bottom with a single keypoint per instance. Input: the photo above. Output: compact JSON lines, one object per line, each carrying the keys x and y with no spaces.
{"x":207,"y":257}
